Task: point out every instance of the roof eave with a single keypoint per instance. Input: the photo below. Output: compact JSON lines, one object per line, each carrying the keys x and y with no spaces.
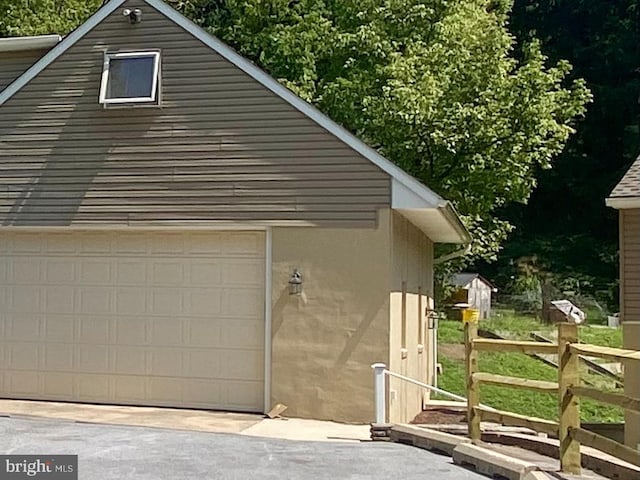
{"x":621,"y":203}
{"x":40,"y":42}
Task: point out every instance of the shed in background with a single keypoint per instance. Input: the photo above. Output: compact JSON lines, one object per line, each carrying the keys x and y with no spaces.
{"x":473,"y":289}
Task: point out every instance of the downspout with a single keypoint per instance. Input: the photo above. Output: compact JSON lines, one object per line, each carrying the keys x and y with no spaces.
{"x":445,"y":258}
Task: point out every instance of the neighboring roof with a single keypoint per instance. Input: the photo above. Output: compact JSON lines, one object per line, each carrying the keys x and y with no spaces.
{"x":627,"y":192}
{"x":421,"y":205}
{"x":40,"y":42}
{"x":464,"y":279}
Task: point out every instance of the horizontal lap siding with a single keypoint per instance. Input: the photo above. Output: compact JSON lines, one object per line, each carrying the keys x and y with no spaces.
{"x":221,"y":148}
{"x":14,"y":64}
{"x":630,"y":264}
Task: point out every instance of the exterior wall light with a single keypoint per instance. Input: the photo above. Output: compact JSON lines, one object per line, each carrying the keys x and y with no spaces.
{"x":134,"y":15}
{"x":295,"y":283}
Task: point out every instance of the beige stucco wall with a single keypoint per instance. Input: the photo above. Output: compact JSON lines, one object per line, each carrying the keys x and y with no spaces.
{"x":325,"y":340}
{"x":412,"y":273}
{"x":631,"y":339}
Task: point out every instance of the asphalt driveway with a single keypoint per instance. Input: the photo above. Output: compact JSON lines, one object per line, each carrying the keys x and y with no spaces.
{"x":140,"y":453}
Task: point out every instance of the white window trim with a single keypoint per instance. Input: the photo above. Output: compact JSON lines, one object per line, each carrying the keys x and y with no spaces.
{"x":105,"y":78}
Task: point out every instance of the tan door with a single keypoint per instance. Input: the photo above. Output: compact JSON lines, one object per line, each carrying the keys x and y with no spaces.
{"x":146,"y":318}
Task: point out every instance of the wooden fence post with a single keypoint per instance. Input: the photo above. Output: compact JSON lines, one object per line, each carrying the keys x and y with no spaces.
{"x":568,"y":376}
{"x":473,"y":388}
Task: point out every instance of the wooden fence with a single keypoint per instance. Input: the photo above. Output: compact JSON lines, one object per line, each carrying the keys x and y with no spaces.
{"x":568,"y":388}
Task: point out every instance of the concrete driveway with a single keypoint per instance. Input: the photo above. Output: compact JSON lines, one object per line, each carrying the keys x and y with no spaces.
{"x":141,"y":453}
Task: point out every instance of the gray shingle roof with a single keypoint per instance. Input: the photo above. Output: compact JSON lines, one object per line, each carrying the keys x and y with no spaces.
{"x":629,"y":186}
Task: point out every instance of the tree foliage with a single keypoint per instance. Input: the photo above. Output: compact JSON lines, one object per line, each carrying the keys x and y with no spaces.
{"x":435,"y":86}
{"x":41,"y":17}
{"x":566,"y":225}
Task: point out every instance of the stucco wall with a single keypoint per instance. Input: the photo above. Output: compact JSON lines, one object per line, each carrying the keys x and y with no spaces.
{"x":325,"y":340}
{"x":411,"y":284}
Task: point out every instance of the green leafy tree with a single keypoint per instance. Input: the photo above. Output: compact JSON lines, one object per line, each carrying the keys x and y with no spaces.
{"x":41,"y":17}
{"x":566,"y":223}
{"x":435,"y":86}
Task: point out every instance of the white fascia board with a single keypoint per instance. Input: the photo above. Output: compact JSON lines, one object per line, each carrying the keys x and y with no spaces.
{"x":623,"y":202}
{"x":307,"y":109}
{"x":15,"y":44}
{"x":59,"y":49}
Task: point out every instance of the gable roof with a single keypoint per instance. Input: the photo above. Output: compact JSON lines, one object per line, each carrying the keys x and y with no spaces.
{"x":464,"y":279}
{"x":421,"y":205}
{"x":627,"y":193}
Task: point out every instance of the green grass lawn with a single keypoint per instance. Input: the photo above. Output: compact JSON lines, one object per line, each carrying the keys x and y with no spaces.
{"x":519,"y":365}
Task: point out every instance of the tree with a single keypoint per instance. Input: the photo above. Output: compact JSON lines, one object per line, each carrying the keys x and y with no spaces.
{"x":41,"y":17}
{"x":434,"y":85}
{"x":566,"y":224}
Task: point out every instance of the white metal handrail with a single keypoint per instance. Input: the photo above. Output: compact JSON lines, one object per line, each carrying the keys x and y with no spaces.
{"x":380,"y":372}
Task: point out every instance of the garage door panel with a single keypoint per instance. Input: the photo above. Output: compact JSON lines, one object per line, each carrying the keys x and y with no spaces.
{"x":23,"y":328}
{"x":24,"y":299}
{"x":130,"y":272}
{"x":155,"y":318}
{"x":203,"y":332}
{"x":204,"y":302}
{"x":93,"y":330}
{"x":130,"y":360}
{"x":58,"y":385}
{"x":94,"y":272}
{"x":59,"y":328}
{"x":203,"y":364}
{"x":130,"y":301}
{"x":130,"y":330}
{"x":58,"y":357}
{"x":22,"y":384}
{"x":243,"y":334}
{"x":58,"y":299}
{"x":92,"y":359}
{"x":204,"y":273}
{"x":94,"y":300}
{"x":167,"y":301}
{"x":23,"y":355}
{"x":167,"y":273}
{"x":58,"y":271}
{"x":93,"y":388}
{"x":166,"y":331}
{"x":241,"y":303}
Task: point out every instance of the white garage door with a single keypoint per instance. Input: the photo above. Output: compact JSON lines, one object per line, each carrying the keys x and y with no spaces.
{"x":144,"y":318}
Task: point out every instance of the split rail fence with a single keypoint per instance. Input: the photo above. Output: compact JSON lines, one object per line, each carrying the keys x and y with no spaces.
{"x":568,"y":388}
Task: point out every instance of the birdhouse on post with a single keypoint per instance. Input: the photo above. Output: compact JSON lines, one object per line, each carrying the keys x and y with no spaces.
{"x":565,"y":311}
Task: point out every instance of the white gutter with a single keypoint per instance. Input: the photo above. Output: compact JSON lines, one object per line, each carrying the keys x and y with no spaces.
{"x":455,"y":254}
{"x":41,"y":42}
{"x":623,"y":202}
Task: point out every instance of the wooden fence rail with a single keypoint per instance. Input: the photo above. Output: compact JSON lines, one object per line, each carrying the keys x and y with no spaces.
{"x":568,"y":388}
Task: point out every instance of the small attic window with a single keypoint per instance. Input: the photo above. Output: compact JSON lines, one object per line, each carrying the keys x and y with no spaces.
{"x":129,"y":78}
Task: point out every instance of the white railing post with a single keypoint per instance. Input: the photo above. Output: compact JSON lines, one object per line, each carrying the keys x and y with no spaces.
{"x":379,"y":392}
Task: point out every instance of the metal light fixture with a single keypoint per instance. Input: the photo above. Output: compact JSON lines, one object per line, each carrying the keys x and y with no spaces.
{"x":295,"y":283}
{"x":135,"y":15}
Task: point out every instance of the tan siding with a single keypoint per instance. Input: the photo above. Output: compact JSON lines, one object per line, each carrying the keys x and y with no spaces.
{"x":13,"y":64}
{"x":221,"y":148}
{"x":630,"y":264}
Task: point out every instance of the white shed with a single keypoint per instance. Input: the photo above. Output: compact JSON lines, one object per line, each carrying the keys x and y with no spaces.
{"x":474,"y":289}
